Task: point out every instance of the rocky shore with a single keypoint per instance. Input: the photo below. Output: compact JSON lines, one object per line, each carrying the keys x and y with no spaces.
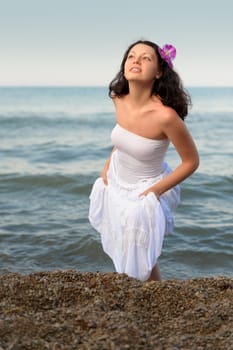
{"x":69,"y":310}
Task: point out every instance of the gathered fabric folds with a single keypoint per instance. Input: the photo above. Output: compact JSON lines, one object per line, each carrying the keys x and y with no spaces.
{"x":132,"y":227}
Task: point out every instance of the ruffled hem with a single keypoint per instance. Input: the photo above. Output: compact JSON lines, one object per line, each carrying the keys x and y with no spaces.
{"x":132,"y":228}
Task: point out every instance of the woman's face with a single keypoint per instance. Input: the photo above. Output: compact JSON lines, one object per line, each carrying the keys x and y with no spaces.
{"x":142,"y":64}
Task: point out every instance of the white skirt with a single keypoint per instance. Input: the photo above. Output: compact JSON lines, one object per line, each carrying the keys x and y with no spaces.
{"x":132,"y":228}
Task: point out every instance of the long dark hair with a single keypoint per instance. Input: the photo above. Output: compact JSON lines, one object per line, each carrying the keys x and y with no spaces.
{"x":168,"y":87}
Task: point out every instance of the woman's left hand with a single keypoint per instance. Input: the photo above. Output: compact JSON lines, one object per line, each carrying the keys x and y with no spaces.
{"x":145,"y":193}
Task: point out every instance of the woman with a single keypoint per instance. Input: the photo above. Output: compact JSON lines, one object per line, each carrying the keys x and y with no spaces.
{"x":131,"y":204}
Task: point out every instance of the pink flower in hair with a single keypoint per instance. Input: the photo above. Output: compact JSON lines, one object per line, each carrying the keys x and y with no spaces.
{"x":168,"y":53}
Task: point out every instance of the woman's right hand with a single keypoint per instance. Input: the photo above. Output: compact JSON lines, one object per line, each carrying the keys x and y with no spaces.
{"x":104,"y":172}
{"x":105,"y":169}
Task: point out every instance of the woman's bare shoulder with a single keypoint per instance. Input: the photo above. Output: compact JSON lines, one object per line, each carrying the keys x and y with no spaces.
{"x":168,"y":115}
{"x":115,"y":99}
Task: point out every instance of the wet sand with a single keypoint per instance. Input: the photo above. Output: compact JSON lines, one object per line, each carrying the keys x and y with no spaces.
{"x":62,"y":310}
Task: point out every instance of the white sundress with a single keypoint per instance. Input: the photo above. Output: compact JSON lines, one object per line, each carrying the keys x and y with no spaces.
{"x":133,"y":227}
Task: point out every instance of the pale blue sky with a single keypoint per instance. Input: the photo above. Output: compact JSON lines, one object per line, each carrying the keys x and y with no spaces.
{"x":74,"y":42}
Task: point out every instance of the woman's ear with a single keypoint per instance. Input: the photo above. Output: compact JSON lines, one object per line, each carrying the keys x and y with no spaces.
{"x":158,"y":75}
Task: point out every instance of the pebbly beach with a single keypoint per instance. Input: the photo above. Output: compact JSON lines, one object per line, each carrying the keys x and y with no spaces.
{"x":67,"y":309}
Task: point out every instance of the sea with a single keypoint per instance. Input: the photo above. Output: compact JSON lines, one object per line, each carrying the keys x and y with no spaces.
{"x":53,"y":145}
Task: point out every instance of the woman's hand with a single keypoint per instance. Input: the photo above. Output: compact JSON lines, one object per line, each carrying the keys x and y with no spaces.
{"x":151,"y":189}
{"x":104,"y":172}
{"x":105,"y":169}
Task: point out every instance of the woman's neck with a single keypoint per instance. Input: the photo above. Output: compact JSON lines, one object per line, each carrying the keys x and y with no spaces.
{"x":139,"y":94}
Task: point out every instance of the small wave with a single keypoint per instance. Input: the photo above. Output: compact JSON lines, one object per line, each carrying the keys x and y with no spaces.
{"x":208,"y":185}
{"x":76,"y":184}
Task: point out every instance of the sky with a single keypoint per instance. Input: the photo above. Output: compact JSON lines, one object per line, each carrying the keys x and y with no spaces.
{"x":81,"y":43}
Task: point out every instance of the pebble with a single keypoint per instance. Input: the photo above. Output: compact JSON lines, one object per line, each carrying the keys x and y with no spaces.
{"x":70,"y":310}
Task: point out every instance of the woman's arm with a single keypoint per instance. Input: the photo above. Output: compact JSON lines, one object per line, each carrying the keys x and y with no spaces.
{"x":106,"y":166}
{"x":175,"y":130}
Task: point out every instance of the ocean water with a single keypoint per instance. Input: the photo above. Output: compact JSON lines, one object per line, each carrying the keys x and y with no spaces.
{"x":53,"y":145}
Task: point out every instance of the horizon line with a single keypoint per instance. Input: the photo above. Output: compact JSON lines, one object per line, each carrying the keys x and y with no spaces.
{"x":95,"y":86}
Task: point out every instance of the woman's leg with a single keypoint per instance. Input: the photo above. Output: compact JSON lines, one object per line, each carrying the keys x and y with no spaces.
{"x":155,"y":274}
